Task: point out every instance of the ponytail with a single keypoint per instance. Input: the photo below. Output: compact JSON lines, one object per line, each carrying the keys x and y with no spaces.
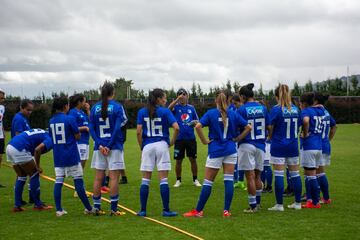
{"x":152,"y":102}
{"x":107,"y":90}
{"x":222,"y":106}
{"x":284,"y":96}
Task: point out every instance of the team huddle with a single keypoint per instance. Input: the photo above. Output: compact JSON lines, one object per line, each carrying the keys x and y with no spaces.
{"x":241,"y":133}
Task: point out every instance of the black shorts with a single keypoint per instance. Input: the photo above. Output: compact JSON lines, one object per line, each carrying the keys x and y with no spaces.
{"x":2,"y":146}
{"x":182,"y":145}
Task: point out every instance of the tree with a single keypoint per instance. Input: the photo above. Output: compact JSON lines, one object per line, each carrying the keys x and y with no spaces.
{"x":260,"y":91}
{"x":354,"y":83}
{"x":193,"y":90}
{"x":199,"y":91}
{"x":296,"y":91}
{"x":309,"y":86}
{"x":228,"y":85}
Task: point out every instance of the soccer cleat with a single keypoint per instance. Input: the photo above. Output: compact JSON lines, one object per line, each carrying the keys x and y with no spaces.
{"x":123,"y":180}
{"x":243,"y":186}
{"x":309,"y":204}
{"x":197,"y":183}
{"x":104,"y":189}
{"x":323,"y":201}
{"x":88,"y":212}
{"x":296,"y":206}
{"x":193,"y":213}
{"x":250,"y":210}
{"x":268,"y":189}
{"x":277,"y":207}
{"x":177,"y":184}
{"x":169,"y":214}
{"x":117,"y":213}
{"x":226,"y":213}
{"x":18,"y":209}
{"x":61,"y":213}
{"x":43,"y":207}
{"x":288,"y":193}
{"x":98,"y":212}
{"x":258,"y":207}
{"x":141,"y":214}
{"x":304,"y":198}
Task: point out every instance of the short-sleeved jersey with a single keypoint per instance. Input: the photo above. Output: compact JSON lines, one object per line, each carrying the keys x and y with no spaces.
{"x":30,"y":139}
{"x":2,"y":113}
{"x":314,"y":140}
{"x":257,"y":116}
{"x":221,"y":137}
{"x":62,"y":130}
{"x":107,"y":132}
{"x":232,"y":107}
{"x":82,"y":120}
{"x":19,"y":124}
{"x":328,"y":122}
{"x":155,"y":129}
{"x":184,"y":114}
{"x":286,"y":123}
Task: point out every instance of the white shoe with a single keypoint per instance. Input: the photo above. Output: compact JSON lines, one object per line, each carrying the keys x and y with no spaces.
{"x":61,"y":213}
{"x":177,"y":184}
{"x":87,"y":212}
{"x":277,"y":207}
{"x":197,"y":183}
{"x":296,"y":206}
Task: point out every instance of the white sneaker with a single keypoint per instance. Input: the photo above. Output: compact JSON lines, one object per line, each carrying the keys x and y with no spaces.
{"x":296,"y":206}
{"x":177,"y":184}
{"x":87,"y":212}
{"x":61,"y":213}
{"x":277,"y":207}
{"x":197,"y":183}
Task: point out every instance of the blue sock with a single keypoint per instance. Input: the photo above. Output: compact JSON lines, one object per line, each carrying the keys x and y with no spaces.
{"x":229,"y":190}
{"x":114,"y":202}
{"x":307,"y":188}
{"x":288,"y":180}
{"x":324,"y":185}
{"x":31,"y":199}
{"x":241,"y":175}
{"x":236,"y":173}
{"x":165,"y":193}
{"x":34,"y":188}
{"x":279,"y":186}
{"x":263,"y":176}
{"x":97,"y":201}
{"x":252,"y":201}
{"x":144,"y":193}
{"x":258,"y":196}
{"x":314,"y":186}
{"x":269,"y":176}
{"x":204,"y":195}
{"x":19,"y":188}
{"x":296,"y":180}
{"x":79,"y":187}
{"x":57,"y":192}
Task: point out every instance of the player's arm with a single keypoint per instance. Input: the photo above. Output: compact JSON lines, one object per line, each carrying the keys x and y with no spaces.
{"x":332,"y":132}
{"x":200,"y":133}
{"x":139,"y":135}
{"x":84,"y":129}
{"x":176,"y":128}
{"x":244,"y":133}
{"x":305,"y":126}
{"x":173,"y":103}
{"x":37,"y":153}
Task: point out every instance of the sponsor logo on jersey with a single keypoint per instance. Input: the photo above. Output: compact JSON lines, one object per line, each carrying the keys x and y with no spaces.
{"x":110,"y":109}
{"x":255,"y":112}
{"x":293,"y":112}
{"x":185,"y":118}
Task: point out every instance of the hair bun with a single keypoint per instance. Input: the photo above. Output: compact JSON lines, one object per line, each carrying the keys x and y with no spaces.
{"x":250,"y":86}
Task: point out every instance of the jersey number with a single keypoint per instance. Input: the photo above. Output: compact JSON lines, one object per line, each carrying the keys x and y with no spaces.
{"x":102,"y":128}
{"x":58,"y":129}
{"x":318,"y":124}
{"x":288,"y":127}
{"x":34,"y":131}
{"x":225,"y":127}
{"x":153,"y":130}
{"x":260,"y":127}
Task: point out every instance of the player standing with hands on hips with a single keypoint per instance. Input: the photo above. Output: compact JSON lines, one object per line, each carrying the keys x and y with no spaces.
{"x":186,"y":117}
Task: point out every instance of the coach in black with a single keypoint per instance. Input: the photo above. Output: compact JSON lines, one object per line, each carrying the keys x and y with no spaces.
{"x":186,"y":116}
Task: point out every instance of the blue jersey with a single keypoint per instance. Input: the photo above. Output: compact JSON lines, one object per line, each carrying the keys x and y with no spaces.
{"x":82,"y":120}
{"x":328,"y":122}
{"x":184,"y":114}
{"x":257,"y":116}
{"x":30,"y":139}
{"x":155,"y":129}
{"x":232,"y":107}
{"x":221,"y":138}
{"x":19,"y":124}
{"x":62,"y":129}
{"x":314,"y":140}
{"x":286,"y":125}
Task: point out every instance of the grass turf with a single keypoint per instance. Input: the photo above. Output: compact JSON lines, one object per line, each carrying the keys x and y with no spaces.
{"x":339,"y":220}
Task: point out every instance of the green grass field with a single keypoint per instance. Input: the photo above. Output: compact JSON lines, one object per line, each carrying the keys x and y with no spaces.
{"x":341,"y":220}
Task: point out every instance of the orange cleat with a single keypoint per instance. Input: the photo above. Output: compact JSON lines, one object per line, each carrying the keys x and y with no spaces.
{"x":226,"y":213}
{"x":104,"y":189}
{"x":18,"y":209}
{"x":43,"y":207}
{"x":193,"y":213}
{"x":323,"y":201}
{"x":309,"y":204}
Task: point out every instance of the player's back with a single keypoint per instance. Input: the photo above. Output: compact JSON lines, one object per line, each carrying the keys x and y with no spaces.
{"x":314,"y":139}
{"x":29,"y":139}
{"x":19,"y":124}
{"x":327,"y":123}
{"x":81,"y":120}
{"x":62,"y":129}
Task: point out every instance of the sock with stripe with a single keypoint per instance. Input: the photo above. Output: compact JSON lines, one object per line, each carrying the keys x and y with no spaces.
{"x":97,"y":202}
{"x":80,"y":189}
{"x":34,"y":188}
{"x":236,"y":173}
{"x":324,"y":185}
{"x":252,"y":201}
{"x":57,"y":192}
{"x":229,"y":190}
{"x":114,"y":202}
{"x":279,"y":186}
{"x":314,"y":186}
{"x":19,"y":188}
{"x":165,"y":193}
{"x":269,"y":176}
{"x":258,"y":196}
{"x":296,"y":180}
{"x":144,"y":193}
{"x":204,"y":194}
{"x":241,"y":175}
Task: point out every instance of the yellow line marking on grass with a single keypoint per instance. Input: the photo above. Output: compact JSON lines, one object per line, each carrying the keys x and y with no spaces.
{"x":125,"y":208}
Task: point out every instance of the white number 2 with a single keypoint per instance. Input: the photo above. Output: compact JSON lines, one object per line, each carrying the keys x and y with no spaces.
{"x":58,"y":129}
{"x":102,"y":128}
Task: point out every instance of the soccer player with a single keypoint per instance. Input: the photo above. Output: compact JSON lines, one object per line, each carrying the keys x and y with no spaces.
{"x":24,"y":151}
{"x":2,"y":132}
{"x":153,"y":122}
{"x":64,"y":133}
{"x":19,"y":124}
{"x":285,"y":123}
{"x":185,"y":115}
{"x":267,"y":174}
{"x":251,"y":149}
{"x":311,"y":152}
{"x":223,"y":124}
{"x":106,"y":119}
{"x":328,"y":133}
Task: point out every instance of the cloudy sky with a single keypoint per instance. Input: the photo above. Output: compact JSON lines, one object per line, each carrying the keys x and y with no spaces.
{"x":76,"y":45}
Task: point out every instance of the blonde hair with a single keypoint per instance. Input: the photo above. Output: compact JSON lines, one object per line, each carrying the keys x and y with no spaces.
{"x":222,"y":106}
{"x":284,"y":95}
